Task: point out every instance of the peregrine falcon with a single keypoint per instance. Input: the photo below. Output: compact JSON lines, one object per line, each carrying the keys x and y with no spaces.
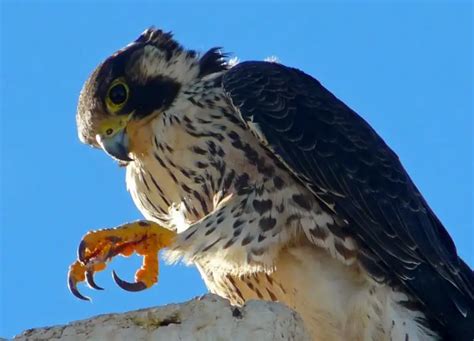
{"x":274,"y":189}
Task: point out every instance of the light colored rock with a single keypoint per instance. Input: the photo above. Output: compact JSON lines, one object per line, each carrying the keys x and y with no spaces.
{"x":207,"y":318}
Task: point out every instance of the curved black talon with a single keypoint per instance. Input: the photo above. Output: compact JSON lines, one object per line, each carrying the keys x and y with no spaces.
{"x":81,"y":251}
{"x":91,"y":282}
{"x":136,"y":286}
{"x":73,"y":288}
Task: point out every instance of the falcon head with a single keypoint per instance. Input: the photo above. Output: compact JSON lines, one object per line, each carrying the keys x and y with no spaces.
{"x":136,"y":84}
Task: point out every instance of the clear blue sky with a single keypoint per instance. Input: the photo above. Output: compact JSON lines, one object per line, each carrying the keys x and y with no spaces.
{"x":406,"y":68}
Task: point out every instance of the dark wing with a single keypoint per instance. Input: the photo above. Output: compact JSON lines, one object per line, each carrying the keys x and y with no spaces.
{"x":343,"y":161}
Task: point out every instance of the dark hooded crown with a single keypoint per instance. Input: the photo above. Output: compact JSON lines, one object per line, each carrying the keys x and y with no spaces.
{"x":154,"y":65}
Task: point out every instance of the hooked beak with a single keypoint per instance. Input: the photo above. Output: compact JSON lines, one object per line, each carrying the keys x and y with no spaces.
{"x":112,"y":137}
{"x":116,"y":145}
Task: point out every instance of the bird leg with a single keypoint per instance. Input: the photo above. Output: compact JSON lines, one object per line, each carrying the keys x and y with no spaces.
{"x":99,"y":247}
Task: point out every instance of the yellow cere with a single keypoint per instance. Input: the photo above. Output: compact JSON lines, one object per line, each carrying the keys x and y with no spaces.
{"x":109,"y":127}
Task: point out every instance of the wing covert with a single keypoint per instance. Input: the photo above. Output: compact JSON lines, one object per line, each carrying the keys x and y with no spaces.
{"x":347,"y":166}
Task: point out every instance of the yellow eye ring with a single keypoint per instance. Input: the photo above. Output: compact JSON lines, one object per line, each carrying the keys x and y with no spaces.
{"x":117,"y":95}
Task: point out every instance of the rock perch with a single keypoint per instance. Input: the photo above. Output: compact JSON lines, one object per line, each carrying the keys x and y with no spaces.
{"x":207,"y":318}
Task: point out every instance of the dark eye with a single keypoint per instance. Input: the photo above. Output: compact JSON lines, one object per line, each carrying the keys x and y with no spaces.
{"x":118,"y":94}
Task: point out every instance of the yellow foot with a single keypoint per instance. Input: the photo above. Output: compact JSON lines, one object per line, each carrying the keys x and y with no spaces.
{"x":99,"y":247}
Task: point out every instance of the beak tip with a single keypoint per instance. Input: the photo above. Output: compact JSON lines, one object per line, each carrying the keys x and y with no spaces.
{"x":115,"y":146}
